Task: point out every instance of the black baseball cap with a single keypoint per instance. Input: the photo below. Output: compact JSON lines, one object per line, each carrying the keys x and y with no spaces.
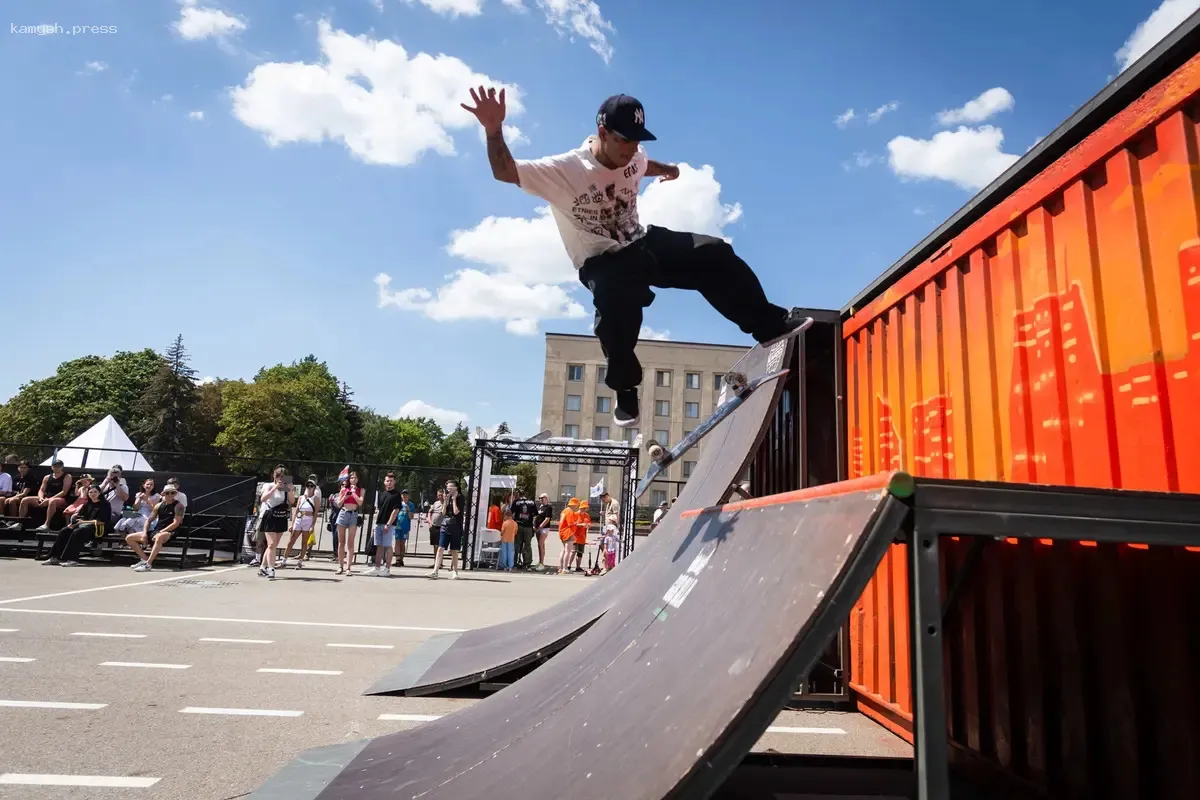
{"x":624,"y":116}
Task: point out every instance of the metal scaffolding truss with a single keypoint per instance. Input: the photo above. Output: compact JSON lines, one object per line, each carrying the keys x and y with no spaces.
{"x":554,"y":451}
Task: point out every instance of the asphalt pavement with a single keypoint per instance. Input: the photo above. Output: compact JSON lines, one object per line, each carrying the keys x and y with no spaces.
{"x":200,"y":684}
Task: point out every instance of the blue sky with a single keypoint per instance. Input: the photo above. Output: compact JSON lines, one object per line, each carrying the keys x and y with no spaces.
{"x":277,"y":178}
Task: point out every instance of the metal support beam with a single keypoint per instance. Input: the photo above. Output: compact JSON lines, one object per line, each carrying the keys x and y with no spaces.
{"x":930,"y":748}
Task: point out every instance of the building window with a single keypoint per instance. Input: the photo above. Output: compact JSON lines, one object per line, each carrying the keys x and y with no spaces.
{"x":662,"y":378}
{"x":574,"y":372}
{"x":599,"y":468}
{"x":566,"y":490}
{"x":658,"y":497}
{"x":717,"y":380}
{"x":601,"y":433}
{"x":603,"y":405}
{"x":601,"y":374}
{"x":691,"y":410}
{"x":569,"y":468}
{"x":631,"y":435}
{"x":686,"y":434}
{"x":693,"y":380}
{"x":662,"y":408}
{"x":661,"y":437}
{"x":571,"y":431}
{"x":574,"y":402}
{"x":688,"y":466}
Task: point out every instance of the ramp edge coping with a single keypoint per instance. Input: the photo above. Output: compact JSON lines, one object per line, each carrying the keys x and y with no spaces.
{"x":896,"y":483}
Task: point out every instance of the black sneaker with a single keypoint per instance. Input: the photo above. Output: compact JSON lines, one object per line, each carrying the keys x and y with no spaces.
{"x":792,"y":321}
{"x":627,"y":413}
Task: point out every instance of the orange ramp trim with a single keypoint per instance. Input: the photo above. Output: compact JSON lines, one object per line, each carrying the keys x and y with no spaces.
{"x":895,"y":482}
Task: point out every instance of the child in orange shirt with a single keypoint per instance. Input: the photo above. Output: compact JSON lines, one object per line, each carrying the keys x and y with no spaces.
{"x":566,"y":532}
{"x":508,"y":537}
{"x":582,"y":521}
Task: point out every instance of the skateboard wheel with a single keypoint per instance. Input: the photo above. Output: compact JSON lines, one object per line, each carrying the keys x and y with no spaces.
{"x":655,"y":450}
{"x":735,"y":380}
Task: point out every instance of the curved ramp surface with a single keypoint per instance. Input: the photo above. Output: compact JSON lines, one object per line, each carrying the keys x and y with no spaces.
{"x":453,"y":660}
{"x":670,"y":688}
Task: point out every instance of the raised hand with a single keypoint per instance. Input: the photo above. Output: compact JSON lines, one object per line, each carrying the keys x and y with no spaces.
{"x":489,"y":108}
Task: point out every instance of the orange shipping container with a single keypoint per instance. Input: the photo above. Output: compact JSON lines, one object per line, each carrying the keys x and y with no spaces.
{"x":1050,"y":333}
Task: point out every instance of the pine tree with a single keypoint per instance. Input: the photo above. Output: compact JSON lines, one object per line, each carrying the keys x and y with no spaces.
{"x":501,"y":430}
{"x":169,"y":403}
{"x":354,"y":419}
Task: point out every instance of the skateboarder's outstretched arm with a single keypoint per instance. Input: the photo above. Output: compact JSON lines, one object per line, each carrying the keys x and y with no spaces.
{"x":490,"y":111}
{"x":656,"y":169}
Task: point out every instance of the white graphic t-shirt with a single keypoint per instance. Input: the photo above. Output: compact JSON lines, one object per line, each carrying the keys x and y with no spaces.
{"x":595,"y":207}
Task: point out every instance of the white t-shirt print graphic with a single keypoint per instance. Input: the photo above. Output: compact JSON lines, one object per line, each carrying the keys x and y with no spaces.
{"x":595,"y":207}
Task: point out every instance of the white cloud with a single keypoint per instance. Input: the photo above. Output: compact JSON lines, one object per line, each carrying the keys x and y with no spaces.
{"x":878,"y":113}
{"x":515,"y":5}
{"x":411,"y":106}
{"x":200,"y":22}
{"x":447,"y":418}
{"x":526,"y":276}
{"x":513,"y":136}
{"x":205,"y":380}
{"x":967,"y":157}
{"x":580,"y":18}
{"x":166,"y":98}
{"x":862,"y":160}
{"x":95,"y":66}
{"x":650,"y":334}
{"x":1153,"y":29}
{"x":453,"y":8}
{"x":986,"y":105}
{"x":197,"y":115}
{"x":843,"y":119}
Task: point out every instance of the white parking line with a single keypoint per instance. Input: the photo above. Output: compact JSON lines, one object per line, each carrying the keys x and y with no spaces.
{"x":143,"y":665}
{"x":240,"y":712}
{"x":51,"y":704}
{"x":237,"y":641}
{"x":790,"y":729}
{"x":9,"y":630}
{"x":302,"y":671}
{"x":94,"y":781}
{"x":363,"y":646}
{"x":169,"y":618}
{"x":12,"y":660}
{"x":117,"y":586}
{"x":409,"y":717}
{"x":110,"y":635}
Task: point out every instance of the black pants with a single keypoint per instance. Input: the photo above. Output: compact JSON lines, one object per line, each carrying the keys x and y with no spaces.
{"x":620,"y":285}
{"x":524,"y":548}
{"x":70,"y":541}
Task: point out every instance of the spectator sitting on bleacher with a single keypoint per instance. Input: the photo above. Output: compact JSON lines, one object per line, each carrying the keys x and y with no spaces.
{"x":53,"y":496}
{"x":81,"y":497}
{"x":6,"y":482}
{"x":22,"y":487}
{"x":115,"y":490}
{"x":89,"y":524}
{"x":143,"y":504}
{"x":180,"y":497}
{"x":167,"y":516}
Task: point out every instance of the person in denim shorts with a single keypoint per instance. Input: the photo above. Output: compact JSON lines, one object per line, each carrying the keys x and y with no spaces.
{"x":452,"y":530}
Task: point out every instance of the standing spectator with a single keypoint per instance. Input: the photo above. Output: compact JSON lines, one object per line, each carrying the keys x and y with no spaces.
{"x":87,"y":525}
{"x":452,"y":530}
{"x":115,"y":490}
{"x":332,"y":524}
{"x":166,"y":517}
{"x":6,"y":482}
{"x":541,"y":525}
{"x":608,"y":546}
{"x":566,"y":534}
{"x":403,"y":526}
{"x":523,"y":512}
{"x":304,"y":518}
{"x":494,"y":518}
{"x":508,"y":535}
{"x":387,"y":509}
{"x":349,"y":501}
{"x":583,"y":521}
{"x":436,"y":516}
{"x":658,"y":514}
{"x":275,"y":502}
{"x":23,"y":486}
{"x":143,"y":503}
{"x":54,"y":495}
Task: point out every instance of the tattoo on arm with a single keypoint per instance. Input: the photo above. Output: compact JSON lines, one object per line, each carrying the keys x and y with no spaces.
{"x":656,"y":168}
{"x":504,"y":168}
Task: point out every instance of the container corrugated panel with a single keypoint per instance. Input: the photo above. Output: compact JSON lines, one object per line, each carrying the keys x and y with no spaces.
{"x":1054,"y":340}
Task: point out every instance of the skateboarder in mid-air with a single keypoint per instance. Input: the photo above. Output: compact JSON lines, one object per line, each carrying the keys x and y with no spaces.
{"x":593,"y":193}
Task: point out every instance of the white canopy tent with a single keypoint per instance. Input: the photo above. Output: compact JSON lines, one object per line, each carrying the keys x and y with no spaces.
{"x":100,"y":447}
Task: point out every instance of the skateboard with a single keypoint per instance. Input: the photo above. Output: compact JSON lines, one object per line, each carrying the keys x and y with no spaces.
{"x":734,"y":381}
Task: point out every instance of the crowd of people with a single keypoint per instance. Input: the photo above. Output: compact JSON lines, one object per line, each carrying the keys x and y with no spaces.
{"x":81,"y":511}
{"x":521,"y":521}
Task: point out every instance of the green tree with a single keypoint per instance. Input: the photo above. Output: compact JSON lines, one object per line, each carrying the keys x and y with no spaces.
{"x":417,"y":441}
{"x":454,"y":451}
{"x":380,"y":438}
{"x":206,"y":419}
{"x":354,"y":421}
{"x":168,"y":407}
{"x":526,"y":472}
{"x":81,"y":392}
{"x":501,"y":430}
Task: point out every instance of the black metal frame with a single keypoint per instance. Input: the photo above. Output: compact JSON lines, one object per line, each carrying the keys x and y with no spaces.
{"x":992,"y":510}
{"x":553,"y":452}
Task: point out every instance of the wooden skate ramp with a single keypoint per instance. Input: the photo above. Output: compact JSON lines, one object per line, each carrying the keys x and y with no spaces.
{"x":454,"y":660}
{"x":667,"y":691}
